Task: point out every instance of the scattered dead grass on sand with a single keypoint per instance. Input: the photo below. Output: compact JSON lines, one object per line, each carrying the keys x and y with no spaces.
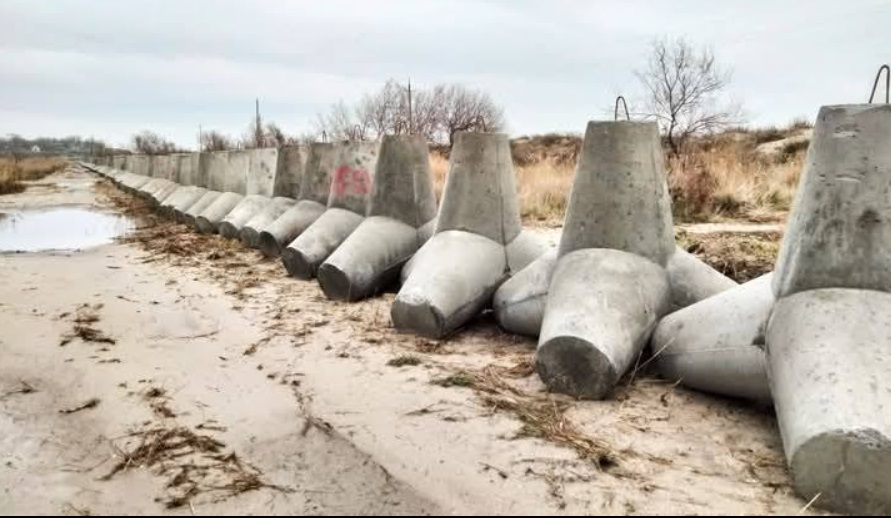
{"x":85,"y":316}
{"x":193,"y":464}
{"x":742,"y":257}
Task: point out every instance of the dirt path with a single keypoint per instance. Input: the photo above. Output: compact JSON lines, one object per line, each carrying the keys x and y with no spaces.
{"x":325,"y":407}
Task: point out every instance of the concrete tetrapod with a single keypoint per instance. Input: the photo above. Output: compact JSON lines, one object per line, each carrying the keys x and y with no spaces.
{"x":351,"y":185}
{"x":183,"y":197}
{"x":250,"y":232}
{"x":315,"y":188}
{"x":829,"y":337}
{"x":519,"y":303}
{"x":207,"y":221}
{"x":830,"y":359}
{"x":190,"y":215}
{"x":477,"y":244}
{"x":247,"y":208}
{"x":402,"y":201}
{"x":717,"y":345}
{"x":610,"y":286}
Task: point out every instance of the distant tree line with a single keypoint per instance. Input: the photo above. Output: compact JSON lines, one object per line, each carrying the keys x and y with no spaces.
{"x":73,"y":145}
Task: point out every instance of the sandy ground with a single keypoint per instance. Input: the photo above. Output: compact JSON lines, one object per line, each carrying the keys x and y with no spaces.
{"x":319,"y":407}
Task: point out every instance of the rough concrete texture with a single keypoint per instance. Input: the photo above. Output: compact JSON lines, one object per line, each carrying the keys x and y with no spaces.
{"x":480,"y":192}
{"x":247,"y":208}
{"x":351,"y":187}
{"x":839,"y":233}
{"x":140,"y":164}
{"x":402,"y":200}
{"x":453,"y":279}
{"x":315,"y":187}
{"x":285,"y":229}
{"x":164,"y":166}
{"x":519,"y":303}
{"x":189,"y":215}
{"x":369,"y":260}
{"x":717,"y":345}
{"x":250,"y":231}
{"x":523,"y":250}
{"x":303,"y":257}
{"x":155,"y":187}
{"x":352,"y":179}
{"x":403,"y":183}
{"x":178,"y":209}
{"x":235,"y":179}
{"x":480,"y":199}
{"x":213,"y":169}
{"x":289,"y":172}
{"x":829,"y":357}
{"x":211,"y":217}
{"x":156,"y":199}
{"x":188,"y":169}
{"x":619,"y":197}
{"x":693,"y":280}
{"x":602,"y":307}
{"x":150,"y":186}
{"x":261,"y":171}
{"x":181,"y":194}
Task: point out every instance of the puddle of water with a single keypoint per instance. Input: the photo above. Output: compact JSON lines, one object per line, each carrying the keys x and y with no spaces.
{"x":59,"y":229}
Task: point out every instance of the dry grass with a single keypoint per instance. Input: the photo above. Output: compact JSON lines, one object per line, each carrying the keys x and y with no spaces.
{"x":13,"y":174}
{"x":718,"y":177}
{"x":742,"y":257}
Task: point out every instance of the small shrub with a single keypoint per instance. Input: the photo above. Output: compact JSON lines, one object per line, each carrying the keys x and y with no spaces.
{"x":405,"y":360}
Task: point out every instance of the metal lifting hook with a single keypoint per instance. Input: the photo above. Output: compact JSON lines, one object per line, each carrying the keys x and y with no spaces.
{"x":616,"y":114}
{"x":875,"y":85}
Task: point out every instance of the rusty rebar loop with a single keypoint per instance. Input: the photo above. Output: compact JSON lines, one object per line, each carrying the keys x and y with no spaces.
{"x":875,"y":85}
{"x":625,"y":104}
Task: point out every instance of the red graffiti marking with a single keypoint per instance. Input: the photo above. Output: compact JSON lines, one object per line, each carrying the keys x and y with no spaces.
{"x":348,"y":181}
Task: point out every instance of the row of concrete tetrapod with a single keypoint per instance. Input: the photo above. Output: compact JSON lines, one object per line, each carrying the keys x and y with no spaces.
{"x":812,"y":338}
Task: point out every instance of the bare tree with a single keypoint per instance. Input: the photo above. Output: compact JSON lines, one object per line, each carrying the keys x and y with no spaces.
{"x":469,"y":110}
{"x":437,"y":113}
{"x":152,"y":144}
{"x":683,"y":87}
{"x":216,"y":141}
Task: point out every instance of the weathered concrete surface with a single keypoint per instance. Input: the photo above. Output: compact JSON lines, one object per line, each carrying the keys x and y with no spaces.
{"x":523,"y":250}
{"x":519,"y":303}
{"x":188,"y":169}
{"x":289,"y":172}
{"x":214,"y":166}
{"x":351,"y":185}
{"x":839,"y":233}
{"x":188,"y":194}
{"x":140,"y":164}
{"x":164,"y":166}
{"x":717,"y":345}
{"x":602,"y":307}
{"x":369,"y":260}
{"x":303,"y":257}
{"x":479,"y":199}
{"x":189,"y":215}
{"x":235,"y":173}
{"x":250,"y":231}
{"x":151,"y":186}
{"x":156,"y":199}
{"x":454,"y":277}
{"x":178,"y":208}
{"x":402,"y":201}
{"x":247,"y":208}
{"x":480,"y":192}
{"x":315,"y":187}
{"x":693,"y":280}
{"x":209,"y":219}
{"x":288,"y":226}
{"x":829,"y":356}
{"x":619,"y":197}
{"x":261,"y":171}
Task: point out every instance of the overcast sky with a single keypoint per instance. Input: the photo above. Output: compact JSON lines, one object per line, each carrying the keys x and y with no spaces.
{"x":111,"y":68}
